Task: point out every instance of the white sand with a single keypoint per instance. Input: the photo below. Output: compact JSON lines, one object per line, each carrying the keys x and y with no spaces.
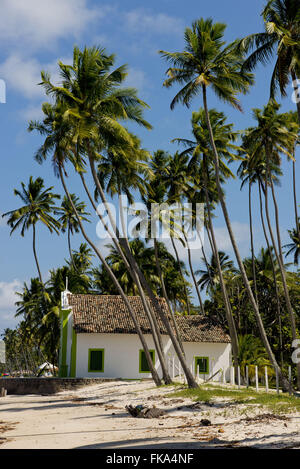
{"x":95,"y":417}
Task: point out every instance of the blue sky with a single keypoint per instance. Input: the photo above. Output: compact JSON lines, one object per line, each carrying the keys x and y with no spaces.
{"x":35,"y":35}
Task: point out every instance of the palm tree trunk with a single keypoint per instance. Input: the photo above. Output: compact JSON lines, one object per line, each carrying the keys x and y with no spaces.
{"x":152,"y":321}
{"x":166,"y":295}
{"x":35,"y":255}
{"x":279,"y":256}
{"x":274,"y":273}
{"x":70,"y":249}
{"x":229,"y":316}
{"x":295,"y":201}
{"x":153,"y":371}
{"x":181,"y":273}
{"x":193,"y":274}
{"x":252,"y":244}
{"x":235,"y":247}
{"x":189,"y":376}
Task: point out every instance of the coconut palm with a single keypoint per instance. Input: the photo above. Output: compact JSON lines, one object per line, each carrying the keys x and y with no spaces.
{"x":272,"y":137}
{"x":96,"y":104}
{"x":281,"y":40}
{"x":59,"y":143}
{"x":201,"y":167}
{"x":210,"y":279}
{"x":294,"y":246}
{"x":39,"y":205}
{"x":207,"y":62}
{"x":68,"y":220}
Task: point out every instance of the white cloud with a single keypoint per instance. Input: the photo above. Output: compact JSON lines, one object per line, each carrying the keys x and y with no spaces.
{"x":241,"y":233}
{"x":140,"y":20}
{"x":23,"y":75}
{"x":8,"y":295}
{"x":38,"y":24}
{"x":136,"y":79}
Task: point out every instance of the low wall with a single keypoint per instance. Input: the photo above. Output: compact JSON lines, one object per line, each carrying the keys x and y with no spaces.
{"x":46,"y":385}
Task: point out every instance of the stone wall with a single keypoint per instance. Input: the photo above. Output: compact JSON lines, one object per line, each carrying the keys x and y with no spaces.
{"x":46,"y":385}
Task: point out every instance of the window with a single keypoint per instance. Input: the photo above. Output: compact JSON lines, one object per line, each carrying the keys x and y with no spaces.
{"x":144,"y":367}
{"x":96,"y":360}
{"x":203,"y":364}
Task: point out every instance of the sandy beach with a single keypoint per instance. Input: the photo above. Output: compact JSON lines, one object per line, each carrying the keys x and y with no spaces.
{"x":95,"y":417}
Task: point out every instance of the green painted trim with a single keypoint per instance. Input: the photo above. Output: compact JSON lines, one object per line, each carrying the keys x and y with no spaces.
{"x":63,"y":367}
{"x":201,"y":372}
{"x":140,"y":360}
{"x":89,"y":362}
{"x":73,"y":354}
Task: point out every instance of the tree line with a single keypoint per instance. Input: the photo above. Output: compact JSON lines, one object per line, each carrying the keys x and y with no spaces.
{"x":84,"y":131}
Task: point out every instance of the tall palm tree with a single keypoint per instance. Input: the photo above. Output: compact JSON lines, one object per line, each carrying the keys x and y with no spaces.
{"x":206,"y":61}
{"x":59,"y":143}
{"x":201,"y":167}
{"x":39,"y":205}
{"x":68,"y":220}
{"x":272,"y":137}
{"x":281,"y":40}
{"x":95,"y":105}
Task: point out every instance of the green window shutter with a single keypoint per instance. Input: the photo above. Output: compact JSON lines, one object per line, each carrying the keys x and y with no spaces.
{"x":203,"y":364}
{"x":144,"y":367}
{"x":96,"y":360}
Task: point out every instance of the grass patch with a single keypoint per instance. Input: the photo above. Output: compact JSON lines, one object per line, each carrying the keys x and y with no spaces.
{"x":281,"y":403}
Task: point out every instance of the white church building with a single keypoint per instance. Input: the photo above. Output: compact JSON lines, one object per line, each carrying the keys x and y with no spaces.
{"x":98,"y":339}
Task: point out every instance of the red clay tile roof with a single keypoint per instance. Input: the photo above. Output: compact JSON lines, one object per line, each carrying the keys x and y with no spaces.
{"x":108,"y":314}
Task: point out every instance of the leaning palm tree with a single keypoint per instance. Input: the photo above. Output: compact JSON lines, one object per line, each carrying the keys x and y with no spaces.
{"x":59,"y":143}
{"x":201,"y":167}
{"x":272,"y":137}
{"x":281,"y":39}
{"x":39,"y":205}
{"x":68,"y":220}
{"x":207,"y":62}
{"x":95,"y":105}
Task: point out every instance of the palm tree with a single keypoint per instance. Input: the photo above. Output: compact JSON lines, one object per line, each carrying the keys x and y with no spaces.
{"x":201,"y":167}
{"x":59,"y":142}
{"x":206,"y":61}
{"x":179,"y":184}
{"x":272,"y":137}
{"x":294,"y":246}
{"x":95,"y":104}
{"x":280,"y":39}
{"x":68,"y":220}
{"x":38,"y":206}
{"x":210,"y":279}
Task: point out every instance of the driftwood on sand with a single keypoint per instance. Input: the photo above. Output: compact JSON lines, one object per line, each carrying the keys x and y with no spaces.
{"x":145,"y":412}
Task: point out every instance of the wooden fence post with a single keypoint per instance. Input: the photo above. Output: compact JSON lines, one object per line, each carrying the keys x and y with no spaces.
{"x":256,"y":378}
{"x":266,"y":379}
{"x":277,"y":380}
{"x":239,"y":377}
{"x":232,"y":375}
{"x":247,"y":376}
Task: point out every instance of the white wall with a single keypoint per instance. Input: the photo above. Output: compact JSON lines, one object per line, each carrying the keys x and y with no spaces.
{"x":121,"y":355}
